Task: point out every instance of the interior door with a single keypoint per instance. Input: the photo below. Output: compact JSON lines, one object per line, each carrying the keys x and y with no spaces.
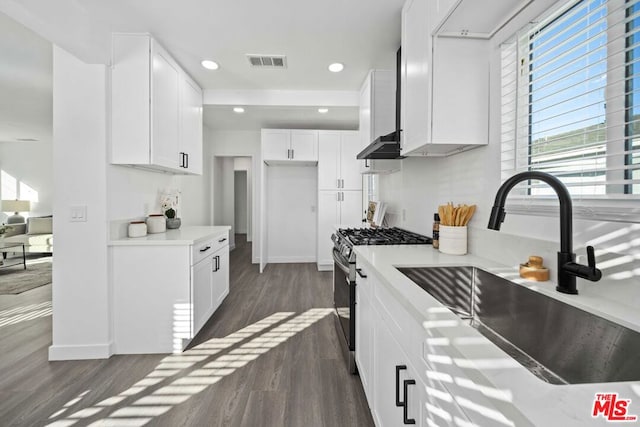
{"x":262,"y":213}
{"x":349,"y":165}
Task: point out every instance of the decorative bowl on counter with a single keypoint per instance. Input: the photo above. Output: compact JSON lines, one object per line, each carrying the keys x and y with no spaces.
{"x":156,"y":223}
{"x":137,"y":229}
{"x":173,"y":223}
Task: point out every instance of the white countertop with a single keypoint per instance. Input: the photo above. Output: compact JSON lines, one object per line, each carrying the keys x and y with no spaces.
{"x":183,"y":236}
{"x":520,"y":393}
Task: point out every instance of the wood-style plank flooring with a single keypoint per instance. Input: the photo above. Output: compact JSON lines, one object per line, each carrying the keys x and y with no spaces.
{"x":269,"y":356}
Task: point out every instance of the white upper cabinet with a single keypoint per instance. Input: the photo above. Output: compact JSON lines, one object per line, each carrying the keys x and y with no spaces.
{"x":190,"y":148}
{"x":156,"y":108}
{"x":338,"y":168}
{"x":445,"y":84}
{"x":287,"y":146}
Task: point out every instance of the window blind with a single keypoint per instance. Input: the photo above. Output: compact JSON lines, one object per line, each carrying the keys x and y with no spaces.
{"x":571,"y":100}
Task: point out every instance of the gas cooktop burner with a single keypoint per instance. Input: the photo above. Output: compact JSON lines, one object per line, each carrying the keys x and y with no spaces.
{"x":383,"y":236}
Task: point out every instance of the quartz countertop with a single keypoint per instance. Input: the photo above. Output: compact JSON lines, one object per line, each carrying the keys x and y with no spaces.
{"x":508,"y":394}
{"x":186,"y":235}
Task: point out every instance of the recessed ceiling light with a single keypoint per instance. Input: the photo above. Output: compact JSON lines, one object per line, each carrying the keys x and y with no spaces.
{"x":336,"y":67}
{"x":238,"y":109}
{"x":210,"y":65}
{"x":323,"y":110}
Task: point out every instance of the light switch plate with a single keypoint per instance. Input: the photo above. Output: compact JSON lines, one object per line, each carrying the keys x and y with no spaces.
{"x":78,"y":213}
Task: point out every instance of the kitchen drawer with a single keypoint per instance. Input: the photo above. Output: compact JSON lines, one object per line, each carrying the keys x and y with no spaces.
{"x":208,"y":247}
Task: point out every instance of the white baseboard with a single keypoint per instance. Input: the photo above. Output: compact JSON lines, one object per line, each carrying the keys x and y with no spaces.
{"x":255,"y":260}
{"x":325,"y":267}
{"x":291,"y":259}
{"x":80,"y":352}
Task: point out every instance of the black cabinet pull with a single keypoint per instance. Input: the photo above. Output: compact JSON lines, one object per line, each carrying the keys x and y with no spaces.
{"x":217,"y":260}
{"x":360,"y":273}
{"x":186,"y":160}
{"x":222,"y":240}
{"x":398,"y":369}
{"x":366,"y":163}
{"x":405,"y":411}
{"x":205,"y":249}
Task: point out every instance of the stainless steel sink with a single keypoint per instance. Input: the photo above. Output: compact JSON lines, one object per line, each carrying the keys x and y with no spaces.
{"x":557,"y":342}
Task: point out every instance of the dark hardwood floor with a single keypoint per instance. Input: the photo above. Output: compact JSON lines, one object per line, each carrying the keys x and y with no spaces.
{"x":268,"y":357}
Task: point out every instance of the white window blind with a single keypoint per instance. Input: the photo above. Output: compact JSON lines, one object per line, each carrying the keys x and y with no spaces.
{"x":571,"y":101}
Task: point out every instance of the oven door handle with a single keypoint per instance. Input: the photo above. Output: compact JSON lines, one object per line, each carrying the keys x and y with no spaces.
{"x":339,"y":261}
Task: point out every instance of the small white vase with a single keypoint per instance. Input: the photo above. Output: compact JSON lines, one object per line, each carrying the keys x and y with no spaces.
{"x":453,"y":240}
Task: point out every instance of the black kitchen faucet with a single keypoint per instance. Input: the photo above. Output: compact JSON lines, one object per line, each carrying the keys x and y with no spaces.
{"x":568,"y":269}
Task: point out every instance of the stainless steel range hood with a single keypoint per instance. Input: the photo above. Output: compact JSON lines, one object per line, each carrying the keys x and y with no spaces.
{"x":385,"y":147}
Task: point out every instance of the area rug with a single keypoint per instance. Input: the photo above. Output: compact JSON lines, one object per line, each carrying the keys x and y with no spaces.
{"x":15,"y":280}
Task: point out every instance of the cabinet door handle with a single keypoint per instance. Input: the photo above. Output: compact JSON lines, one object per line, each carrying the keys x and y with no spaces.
{"x":342,"y":183}
{"x":360,"y":273}
{"x":405,"y":411}
{"x":288,"y":153}
{"x":338,"y":196}
{"x":337,"y":183}
{"x":217,"y":260}
{"x":293,"y":153}
{"x":342,"y":196}
{"x":398,"y":369}
{"x":186,"y":160}
{"x":205,"y":249}
{"x":181,"y":165}
{"x":366,"y":163}
{"x":222,"y":240}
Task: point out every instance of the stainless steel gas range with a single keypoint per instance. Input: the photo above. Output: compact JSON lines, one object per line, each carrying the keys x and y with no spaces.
{"x":345,"y":275}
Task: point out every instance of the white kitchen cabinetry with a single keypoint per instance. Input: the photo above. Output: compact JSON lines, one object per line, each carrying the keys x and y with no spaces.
{"x":377,"y":117}
{"x":210,"y":282}
{"x":338,"y":168}
{"x":445,"y":84}
{"x":397,"y":394}
{"x":190,"y":147}
{"x":389,"y":351}
{"x":156,"y":108}
{"x":166,"y":286}
{"x":289,"y":146}
{"x":343,"y":208}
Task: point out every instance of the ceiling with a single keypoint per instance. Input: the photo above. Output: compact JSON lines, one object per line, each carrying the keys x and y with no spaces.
{"x":25,"y":84}
{"x":268,"y":117}
{"x":362,"y":34}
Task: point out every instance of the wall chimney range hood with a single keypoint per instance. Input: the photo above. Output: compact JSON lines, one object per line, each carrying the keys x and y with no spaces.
{"x":387,"y":146}
{"x":384,"y":147}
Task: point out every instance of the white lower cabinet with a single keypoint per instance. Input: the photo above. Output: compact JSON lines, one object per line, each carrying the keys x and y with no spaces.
{"x":397,"y":389}
{"x":165,"y":293}
{"x":401,"y":388}
{"x":210,"y":285}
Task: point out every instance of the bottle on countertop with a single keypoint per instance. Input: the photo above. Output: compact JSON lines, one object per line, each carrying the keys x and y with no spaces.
{"x":436,"y":231}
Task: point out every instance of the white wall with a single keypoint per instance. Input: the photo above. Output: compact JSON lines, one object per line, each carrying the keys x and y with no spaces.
{"x":240,"y":201}
{"x":473,"y":177}
{"x":31,"y":163}
{"x":81,"y":297}
{"x":292,"y":193}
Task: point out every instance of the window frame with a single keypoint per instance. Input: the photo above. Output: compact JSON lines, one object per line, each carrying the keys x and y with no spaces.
{"x":617,"y":207}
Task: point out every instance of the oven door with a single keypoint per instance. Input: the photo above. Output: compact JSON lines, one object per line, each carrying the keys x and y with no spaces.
{"x":344,"y":296}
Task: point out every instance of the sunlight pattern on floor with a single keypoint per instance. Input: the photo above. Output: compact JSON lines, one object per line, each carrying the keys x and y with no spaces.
{"x":153,"y":403}
{"x":24,"y":313}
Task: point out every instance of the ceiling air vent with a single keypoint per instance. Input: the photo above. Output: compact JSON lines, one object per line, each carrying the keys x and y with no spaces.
{"x":267,"y":61}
